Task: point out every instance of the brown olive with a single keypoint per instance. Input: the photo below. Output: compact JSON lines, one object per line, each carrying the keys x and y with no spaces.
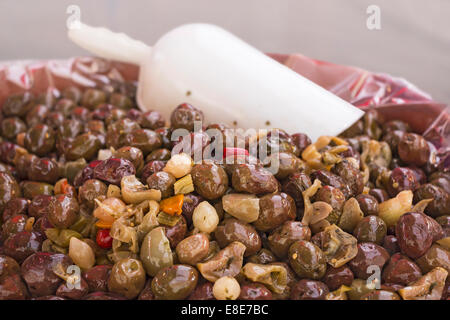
{"x":152,"y":167}
{"x":253,"y":179}
{"x":9,"y":189}
{"x":36,"y":115}
{"x":351,"y":176}
{"x":334,"y":278}
{"x":40,"y":140}
{"x":11,"y":127}
{"x":144,"y":139}
{"x":436,"y":256}
{"x":255,"y":291}
{"x":113,"y":170}
{"x":184,"y":117}
{"x":413,"y":149}
{"x":75,"y":292}
{"x":413,"y":234}
{"x":274,"y":210}
{"x":159,"y":154}
{"x":263,"y":256}
{"x":193,"y":249}
{"x":97,"y":277}
{"x":30,"y":189}
{"x":18,"y":104}
{"x":203,"y":291}
{"x":288,"y":164}
{"x":401,"y":270}
{"x":91,"y":190}
{"x":43,"y":169}
{"x":307,"y":260}
{"x":335,"y":198}
{"x":381,"y":295}
{"x":12,"y":287}
{"x":301,"y":141}
{"x":63,"y":211}
{"x":294,"y":185}
{"x":177,"y":232}
{"x":92,"y":98}
{"x":379,"y":194}
{"x":441,"y":199}
{"x":210,"y":180}
{"x":285,"y":235}
{"x":117,"y":133}
{"x":235,"y":230}
{"x":83,"y":146}
{"x":370,"y":229}
{"x":14,"y":207}
{"x":174,"y":283}
{"x":390,"y":243}
{"x":330,"y":179}
{"x":162,"y":181}
{"x":401,"y":179}
{"x":14,"y":225}
{"x":152,"y":120}
{"x":23,"y":244}
{"x":368,"y":204}
{"x":370,"y":255}
{"x":307,"y":289}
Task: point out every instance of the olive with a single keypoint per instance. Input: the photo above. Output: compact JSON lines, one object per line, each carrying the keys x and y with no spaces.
{"x":15,"y":207}
{"x":301,"y":141}
{"x":274,"y":210}
{"x":63,"y":211}
{"x":413,"y":234}
{"x":379,"y":194}
{"x":39,"y":206}
{"x":116,"y":135}
{"x":151,"y":168}
{"x":113,"y":170}
{"x":92,"y":98}
{"x":104,"y":296}
{"x":370,"y":255}
{"x":370,"y":229}
{"x":134,"y":155}
{"x":390,"y":243}
{"x":401,"y":270}
{"x":392,"y":138}
{"x":335,"y":198}
{"x":134,"y":114}
{"x":40,"y":139}
{"x":18,"y":105}
{"x":285,"y":235}
{"x":96,"y":127}
{"x":121,"y":101}
{"x":441,"y":199}
{"x":184,"y":117}
{"x":155,"y":251}
{"x":37,"y":115}
{"x":306,"y":289}
{"x":65,"y":106}
{"x":294,"y":185}
{"x":54,"y":119}
{"x":31,"y":189}
{"x":351,"y":176}
{"x":146,"y":293}
{"x":91,"y":190}
{"x":72,"y":93}
{"x":253,"y":178}
{"x":381,"y":295}
{"x":210,"y":180}
{"x":307,"y":260}
{"x":436,"y":256}
{"x":165,"y":134}
{"x":8,"y":266}
{"x":330,"y":179}
{"x":368,"y":204}
{"x":152,"y":120}
{"x":70,"y":129}
{"x":280,"y":141}
{"x":14,"y":225}
{"x":203,"y":291}
{"x":12,"y":287}
{"x":23,"y":162}
{"x":413,"y":149}
{"x":401,"y":179}
{"x":177,"y":232}
{"x":127,"y":278}
{"x":97,"y":277}
{"x":11,"y":127}
{"x":83,"y":146}
{"x":162,"y":181}
{"x":334,"y":278}
{"x":144,"y":139}
{"x":43,"y":169}
{"x":193,"y":249}
{"x":21,"y":245}
{"x":359,"y":288}
{"x":175,"y":282}
{"x":9,"y":189}
{"x":393,"y":125}
{"x":38,"y":272}
{"x":263,"y":256}
{"x":190,"y":202}
{"x":255,"y":291}
{"x":74,"y":292}
{"x":159,"y":154}
{"x":235,"y":230}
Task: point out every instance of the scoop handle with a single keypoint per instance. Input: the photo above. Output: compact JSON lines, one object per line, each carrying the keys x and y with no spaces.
{"x":107,"y":44}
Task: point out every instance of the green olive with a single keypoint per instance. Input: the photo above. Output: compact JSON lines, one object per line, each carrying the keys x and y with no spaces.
{"x":92,"y":98}
{"x":370,"y":229}
{"x":84,"y":146}
{"x":40,"y":140}
{"x":155,"y":251}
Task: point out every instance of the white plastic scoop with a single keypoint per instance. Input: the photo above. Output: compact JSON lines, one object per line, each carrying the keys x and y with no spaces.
{"x":230,"y":81}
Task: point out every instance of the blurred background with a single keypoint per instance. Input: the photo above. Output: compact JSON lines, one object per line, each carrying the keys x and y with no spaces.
{"x":414,"y":40}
